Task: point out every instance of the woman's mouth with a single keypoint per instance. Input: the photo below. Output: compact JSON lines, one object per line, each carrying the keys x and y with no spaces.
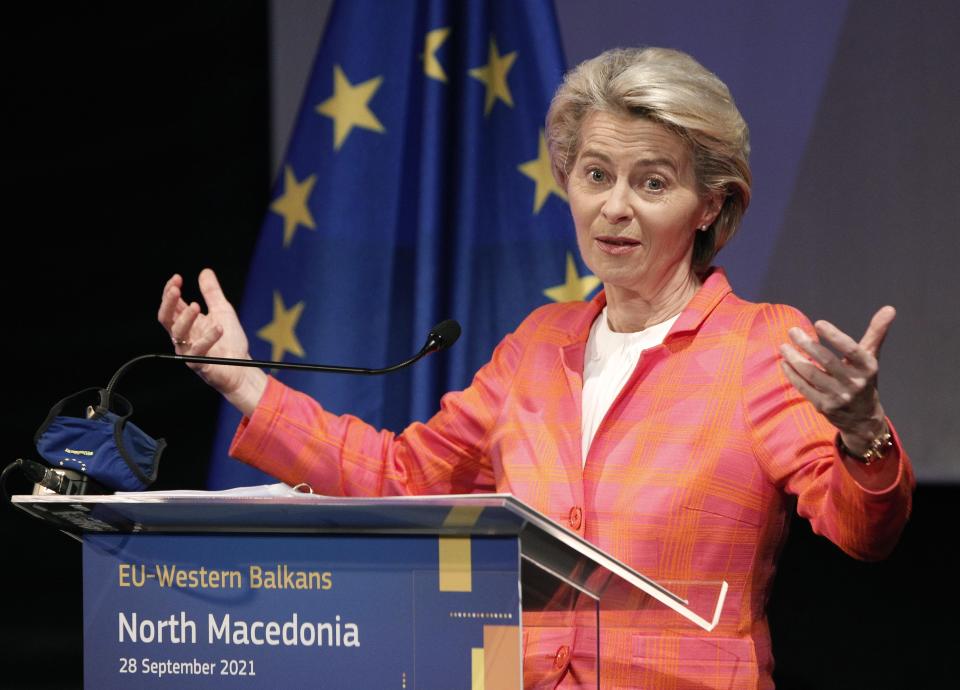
{"x":616,"y":245}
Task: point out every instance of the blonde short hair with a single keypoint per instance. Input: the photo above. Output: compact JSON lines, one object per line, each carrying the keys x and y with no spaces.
{"x":673,"y":89}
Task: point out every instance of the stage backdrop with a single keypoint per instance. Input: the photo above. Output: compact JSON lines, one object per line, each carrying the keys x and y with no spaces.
{"x":415,"y":188}
{"x":850,"y":107}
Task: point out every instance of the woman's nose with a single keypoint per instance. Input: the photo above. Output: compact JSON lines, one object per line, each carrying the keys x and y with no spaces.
{"x":616,"y":207}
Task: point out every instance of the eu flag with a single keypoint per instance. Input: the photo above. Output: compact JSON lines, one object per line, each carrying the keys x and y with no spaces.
{"x":416,"y":188}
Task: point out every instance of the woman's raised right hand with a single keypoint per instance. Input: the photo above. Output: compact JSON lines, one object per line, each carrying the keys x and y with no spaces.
{"x":216,"y":333}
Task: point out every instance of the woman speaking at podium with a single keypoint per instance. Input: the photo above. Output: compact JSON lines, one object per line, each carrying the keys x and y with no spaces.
{"x":667,"y":421}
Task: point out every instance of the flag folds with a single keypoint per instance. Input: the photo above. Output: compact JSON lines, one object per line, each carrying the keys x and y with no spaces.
{"x":416,"y":187}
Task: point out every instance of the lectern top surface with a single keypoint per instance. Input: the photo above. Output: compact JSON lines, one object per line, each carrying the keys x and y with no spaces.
{"x":267,"y":510}
{"x":280,"y":509}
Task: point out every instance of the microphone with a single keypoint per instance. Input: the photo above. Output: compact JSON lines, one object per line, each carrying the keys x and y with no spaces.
{"x":440,"y":337}
{"x":104,"y":451}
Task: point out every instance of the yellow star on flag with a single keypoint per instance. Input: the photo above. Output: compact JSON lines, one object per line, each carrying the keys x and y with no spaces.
{"x":494,"y":76}
{"x":348,"y":106}
{"x":575,"y":288}
{"x":292,"y":204}
{"x":431,"y":65}
{"x":539,"y":171}
{"x":280,"y":332}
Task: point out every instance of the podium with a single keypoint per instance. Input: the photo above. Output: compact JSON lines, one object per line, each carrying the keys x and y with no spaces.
{"x":222,"y":589}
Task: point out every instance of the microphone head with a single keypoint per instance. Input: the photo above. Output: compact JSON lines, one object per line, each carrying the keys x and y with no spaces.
{"x":443,"y":335}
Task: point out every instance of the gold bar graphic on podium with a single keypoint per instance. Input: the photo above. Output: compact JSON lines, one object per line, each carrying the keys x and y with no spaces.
{"x":476,"y":668}
{"x":454,"y":552}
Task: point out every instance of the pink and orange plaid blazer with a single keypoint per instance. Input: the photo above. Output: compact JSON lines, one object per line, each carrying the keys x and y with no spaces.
{"x":692,"y":476}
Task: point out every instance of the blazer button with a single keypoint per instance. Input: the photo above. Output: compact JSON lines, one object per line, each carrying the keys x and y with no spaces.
{"x":576,"y":517}
{"x":561,"y":659}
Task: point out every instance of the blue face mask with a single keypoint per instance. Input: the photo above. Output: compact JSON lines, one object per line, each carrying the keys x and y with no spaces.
{"x":80,"y":434}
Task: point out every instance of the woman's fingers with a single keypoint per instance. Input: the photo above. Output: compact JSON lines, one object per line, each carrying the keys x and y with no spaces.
{"x":215,"y":333}
{"x":805,"y":388}
{"x":169,"y":301}
{"x":877,"y":331}
{"x":207,"y":339}
{"x":180,"y":331}
{"x":211,"y":290}
{"x":860,"y":359}
{"x":818,"y":386}
{"x":842,"y":386}
{"x":820,"y":354}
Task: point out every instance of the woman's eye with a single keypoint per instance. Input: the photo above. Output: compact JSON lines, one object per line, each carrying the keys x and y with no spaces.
{"x":596,"y":175}
{"x":654,"y":184}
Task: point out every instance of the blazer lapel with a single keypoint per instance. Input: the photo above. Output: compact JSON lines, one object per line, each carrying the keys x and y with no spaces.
{"x":571,"y":358}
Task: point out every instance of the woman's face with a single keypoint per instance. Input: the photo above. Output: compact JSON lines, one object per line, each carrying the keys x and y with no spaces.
{"x":633,"y":195}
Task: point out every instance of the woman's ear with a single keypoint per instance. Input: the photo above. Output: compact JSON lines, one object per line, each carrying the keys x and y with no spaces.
{"x":711,"y":209}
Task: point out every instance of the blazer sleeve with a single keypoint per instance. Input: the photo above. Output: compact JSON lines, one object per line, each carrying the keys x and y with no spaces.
{"x":292,"y":437}
{"x":796,"y":446}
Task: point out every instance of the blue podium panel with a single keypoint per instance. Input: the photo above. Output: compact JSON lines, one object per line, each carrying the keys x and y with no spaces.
{"x":272,"y":610}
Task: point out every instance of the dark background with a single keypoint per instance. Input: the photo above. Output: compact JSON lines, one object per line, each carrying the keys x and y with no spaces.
{"x":136,"y":144}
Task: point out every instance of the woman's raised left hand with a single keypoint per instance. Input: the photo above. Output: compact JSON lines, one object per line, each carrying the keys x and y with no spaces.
{"x":843,"y":388}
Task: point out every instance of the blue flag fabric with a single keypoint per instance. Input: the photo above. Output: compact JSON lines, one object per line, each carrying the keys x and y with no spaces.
{"x":416,"y":188}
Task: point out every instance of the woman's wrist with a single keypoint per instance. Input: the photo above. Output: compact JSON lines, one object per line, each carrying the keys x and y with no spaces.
{"x":247,"y":395}
{"x":869,"y":444}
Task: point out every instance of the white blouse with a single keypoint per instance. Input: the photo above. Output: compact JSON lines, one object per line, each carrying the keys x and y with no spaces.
{"x":608,"y":362}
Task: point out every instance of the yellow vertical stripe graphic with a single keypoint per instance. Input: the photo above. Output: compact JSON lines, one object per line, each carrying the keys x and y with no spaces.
{"x":463,"y":516}
{"x":476,"y":668}
{"x":455,"y":565}
{"x":455,"y":562}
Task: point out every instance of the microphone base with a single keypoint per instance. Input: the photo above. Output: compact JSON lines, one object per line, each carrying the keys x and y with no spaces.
{"x":67,"y":483}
